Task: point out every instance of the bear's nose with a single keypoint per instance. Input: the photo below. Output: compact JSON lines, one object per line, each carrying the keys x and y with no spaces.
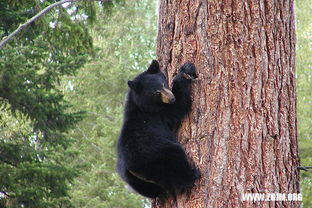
{"x":172,"y":100}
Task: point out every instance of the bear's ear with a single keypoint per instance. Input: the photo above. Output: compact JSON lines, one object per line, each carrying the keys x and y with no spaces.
{"x":134,"y":85}
{"x":153,"y":68}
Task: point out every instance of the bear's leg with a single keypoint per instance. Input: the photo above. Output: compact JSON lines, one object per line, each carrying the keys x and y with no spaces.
{"x":170,"y":169}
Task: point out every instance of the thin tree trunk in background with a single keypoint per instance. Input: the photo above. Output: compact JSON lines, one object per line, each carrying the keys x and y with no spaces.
{"x":242,"y":131}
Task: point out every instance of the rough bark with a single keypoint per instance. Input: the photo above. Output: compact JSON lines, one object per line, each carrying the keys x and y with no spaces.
{"x":242,"y":131}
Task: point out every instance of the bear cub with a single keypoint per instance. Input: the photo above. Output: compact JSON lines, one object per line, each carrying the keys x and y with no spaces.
{"x":150,"y":159}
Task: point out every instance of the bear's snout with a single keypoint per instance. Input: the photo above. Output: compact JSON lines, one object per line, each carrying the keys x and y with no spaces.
{"x":167,"y":96}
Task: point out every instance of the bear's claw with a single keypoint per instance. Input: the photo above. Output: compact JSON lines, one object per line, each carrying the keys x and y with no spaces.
{"x":189,"y":69}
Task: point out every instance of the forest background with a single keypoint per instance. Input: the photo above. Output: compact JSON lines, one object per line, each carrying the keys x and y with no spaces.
{"x":62,"y":89}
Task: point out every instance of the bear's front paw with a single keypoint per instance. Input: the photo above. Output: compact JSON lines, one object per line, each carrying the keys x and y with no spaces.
{"x":188,"y":71}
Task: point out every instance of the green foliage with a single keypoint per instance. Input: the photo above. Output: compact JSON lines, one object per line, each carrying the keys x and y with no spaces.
{"x":32,"y":173}
{"x":124,"y":46}
{"x":304,"y":89}
{"x":34,"y":149}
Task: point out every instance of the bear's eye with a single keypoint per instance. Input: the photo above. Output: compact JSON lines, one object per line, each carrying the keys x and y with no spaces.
{"x":158,"y":93}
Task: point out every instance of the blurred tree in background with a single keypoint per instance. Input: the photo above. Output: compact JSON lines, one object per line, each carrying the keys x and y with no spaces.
{"x":125,"y":44}
{"x":304,"y":95}
{"x":34,"y":114}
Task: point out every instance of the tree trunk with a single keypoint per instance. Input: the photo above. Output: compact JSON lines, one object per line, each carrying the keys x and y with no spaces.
{"x":242,"y":131}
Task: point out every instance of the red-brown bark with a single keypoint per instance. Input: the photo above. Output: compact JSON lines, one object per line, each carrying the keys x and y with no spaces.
{"x":242,"y":130}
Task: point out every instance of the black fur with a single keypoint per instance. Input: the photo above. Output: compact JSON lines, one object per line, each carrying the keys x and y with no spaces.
{"x":150,"y":159}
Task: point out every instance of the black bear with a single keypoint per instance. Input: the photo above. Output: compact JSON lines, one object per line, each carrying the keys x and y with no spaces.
{"x":150,"y":159}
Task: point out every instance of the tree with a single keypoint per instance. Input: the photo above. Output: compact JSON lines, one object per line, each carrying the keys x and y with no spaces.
{"x":33,"y":19}
{"x":242,"y":131}
{"x":34,"y":114}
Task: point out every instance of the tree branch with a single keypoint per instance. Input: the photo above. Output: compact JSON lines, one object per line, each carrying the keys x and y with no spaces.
{"x":305,"y":168}
{"x":7,"y":162}
{"x":5,"y":194}
{"x":34,"y":18}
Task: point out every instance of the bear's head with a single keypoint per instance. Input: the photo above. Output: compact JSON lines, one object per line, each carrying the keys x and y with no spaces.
{"x":149,"y":90}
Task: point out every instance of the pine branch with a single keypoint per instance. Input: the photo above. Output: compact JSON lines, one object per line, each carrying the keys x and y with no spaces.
{"x":31,"y":20}
{"x":305,"y":168}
